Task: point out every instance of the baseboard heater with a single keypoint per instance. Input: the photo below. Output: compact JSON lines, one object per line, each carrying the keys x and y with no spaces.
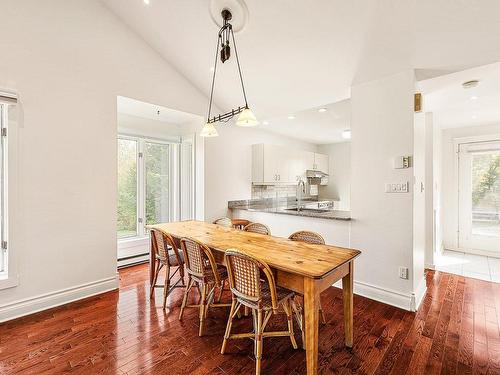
{"x":133,"y":260}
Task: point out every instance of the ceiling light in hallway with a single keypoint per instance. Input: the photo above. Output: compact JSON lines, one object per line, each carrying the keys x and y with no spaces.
{"x":470,"y":84}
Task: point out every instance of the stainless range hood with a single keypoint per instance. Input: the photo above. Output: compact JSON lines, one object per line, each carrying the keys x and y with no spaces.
{"x":316,"y":177}
{"x":315,"y":174}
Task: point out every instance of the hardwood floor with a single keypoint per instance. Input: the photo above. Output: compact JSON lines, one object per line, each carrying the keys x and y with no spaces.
{"x":456,"y":331}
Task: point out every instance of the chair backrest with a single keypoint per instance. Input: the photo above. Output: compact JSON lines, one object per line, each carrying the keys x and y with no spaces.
{"x":307,"y":236}
{"x":200,"y":262}
{"x":224,"y":221}
{"x":244,"y":273}
{"x":257,"y":228}
{"x":162,"y":241}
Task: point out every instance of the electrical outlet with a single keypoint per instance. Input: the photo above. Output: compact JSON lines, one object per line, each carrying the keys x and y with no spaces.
{"x":403,"y":273}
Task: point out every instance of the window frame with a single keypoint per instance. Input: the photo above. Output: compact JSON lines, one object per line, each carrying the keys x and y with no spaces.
{"x":141,"y":231}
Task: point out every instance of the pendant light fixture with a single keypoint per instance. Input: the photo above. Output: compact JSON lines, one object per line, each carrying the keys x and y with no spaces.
{"x":246,"y":116}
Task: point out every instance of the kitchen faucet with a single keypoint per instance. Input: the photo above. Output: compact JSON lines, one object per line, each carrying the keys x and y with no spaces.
{"x":301,"y":189}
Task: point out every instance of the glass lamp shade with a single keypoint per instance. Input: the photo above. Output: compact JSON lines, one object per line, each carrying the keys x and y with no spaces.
{"x":209,"y":131}
{"x":246,"y":118}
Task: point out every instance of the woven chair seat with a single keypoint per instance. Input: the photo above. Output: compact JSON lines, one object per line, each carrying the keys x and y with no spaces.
{"x":172,"y":258}
{"x":220,"y":269}
{"x":281,"y":295}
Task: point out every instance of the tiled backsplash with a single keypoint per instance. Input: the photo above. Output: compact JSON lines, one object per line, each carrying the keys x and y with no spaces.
{"x":274,"y":191}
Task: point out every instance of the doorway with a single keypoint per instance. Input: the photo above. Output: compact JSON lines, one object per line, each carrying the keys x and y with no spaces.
{"x":160,"y":166}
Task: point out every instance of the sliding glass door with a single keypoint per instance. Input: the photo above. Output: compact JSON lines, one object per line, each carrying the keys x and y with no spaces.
{"x":157,"y":181}
{"x":127,"y":188}
{"x":144,"y":185}
{"x":479,"y":197}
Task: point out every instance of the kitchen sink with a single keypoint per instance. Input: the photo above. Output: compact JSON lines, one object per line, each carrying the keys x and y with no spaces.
{"x":306,"y":210}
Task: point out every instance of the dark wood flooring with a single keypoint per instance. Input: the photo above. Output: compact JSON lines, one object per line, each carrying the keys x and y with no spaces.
{"x":456,"y":331}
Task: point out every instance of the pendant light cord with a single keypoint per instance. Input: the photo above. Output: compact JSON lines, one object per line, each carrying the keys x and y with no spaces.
{"x":226,"y":29}
{"x":213,"y":79}
{"x":239,"y":69}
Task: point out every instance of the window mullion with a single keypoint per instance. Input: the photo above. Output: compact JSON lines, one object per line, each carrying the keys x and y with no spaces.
{"x":141,"y":196}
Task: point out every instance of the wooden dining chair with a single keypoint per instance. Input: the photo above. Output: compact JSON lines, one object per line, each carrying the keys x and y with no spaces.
{"x":316,"y":239}
{"x":207,"y":275}
{"x":257,"y":228}
{"x":166,"y":256}
{"x":260,"y":295}
{"x":224,"y":221}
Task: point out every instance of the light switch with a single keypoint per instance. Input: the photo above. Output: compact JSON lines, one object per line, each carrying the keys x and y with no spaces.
{"x":401,"y":187}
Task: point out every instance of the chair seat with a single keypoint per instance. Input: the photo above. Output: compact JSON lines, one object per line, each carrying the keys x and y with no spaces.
{"x":221,"y":270}
{"x":172,"y":259}
{"x":281,"y":295}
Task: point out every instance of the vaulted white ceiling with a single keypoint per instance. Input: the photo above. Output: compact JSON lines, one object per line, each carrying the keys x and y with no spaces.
{"x":297,"y":55}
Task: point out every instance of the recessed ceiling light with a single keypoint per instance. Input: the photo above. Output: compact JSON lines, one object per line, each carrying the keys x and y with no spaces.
{"x":146,"y":2}
{"x":322,"y":110}
{"x":474,"y":117}
{"x":473,"y":97}
{"x":346,"y":134}
{"x":291,"y":117}
{"x":265,"y":122}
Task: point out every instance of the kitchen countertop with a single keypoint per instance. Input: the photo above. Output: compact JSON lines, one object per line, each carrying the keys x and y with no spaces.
{"x":289,"y":210}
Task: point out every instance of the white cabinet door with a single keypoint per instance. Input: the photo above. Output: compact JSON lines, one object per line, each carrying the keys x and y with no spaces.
{"x":283,"y":157}
{"x":276,"y":164}
{"x":308,"y":159}
{"x":321,"y":162}
{"x":300,"y":161}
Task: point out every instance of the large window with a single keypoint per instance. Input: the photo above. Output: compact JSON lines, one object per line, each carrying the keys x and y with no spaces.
{"x":144,"y":171}
{"x":7,"y":114}
{"x":3,"y":251}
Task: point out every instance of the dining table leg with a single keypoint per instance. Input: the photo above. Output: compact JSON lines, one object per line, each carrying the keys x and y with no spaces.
{"x":347,"y":291}
{"x":311,"y":312}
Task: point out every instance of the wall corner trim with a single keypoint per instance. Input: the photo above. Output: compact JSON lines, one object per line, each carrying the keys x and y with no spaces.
{"x":16,"y":309}
{"x":419,"y":295}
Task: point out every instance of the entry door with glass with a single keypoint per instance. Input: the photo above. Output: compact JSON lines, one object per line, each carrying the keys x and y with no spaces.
{"x":479,"y":197}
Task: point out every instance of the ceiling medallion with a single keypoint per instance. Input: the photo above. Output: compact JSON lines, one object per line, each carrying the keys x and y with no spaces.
{"x":223,"y":50}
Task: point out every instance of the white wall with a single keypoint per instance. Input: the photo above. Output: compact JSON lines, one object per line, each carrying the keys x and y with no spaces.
{"x":430,"y":229}
{"x":437,"y":189}
{"x":68,"y":60}
{"x":382,"y":126}
{"x":339,"y":181}
{"x":449,"y":193}
{"x":228,"y":165}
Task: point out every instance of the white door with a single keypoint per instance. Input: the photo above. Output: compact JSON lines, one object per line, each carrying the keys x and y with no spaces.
{"x":479,"y":197}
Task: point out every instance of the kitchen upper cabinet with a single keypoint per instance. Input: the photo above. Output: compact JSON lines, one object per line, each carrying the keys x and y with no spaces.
{"x":299,"y":162}
{"x":277,"y":164}
{"x":321,"y":162}
{"x":270,"y":164}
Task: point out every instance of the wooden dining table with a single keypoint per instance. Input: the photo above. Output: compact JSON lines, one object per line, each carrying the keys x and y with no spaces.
{"x":304,"y":268}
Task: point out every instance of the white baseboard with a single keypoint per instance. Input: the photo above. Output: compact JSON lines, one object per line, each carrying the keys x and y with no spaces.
{"x":387,"y":296}
{"x":32,"y":305}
